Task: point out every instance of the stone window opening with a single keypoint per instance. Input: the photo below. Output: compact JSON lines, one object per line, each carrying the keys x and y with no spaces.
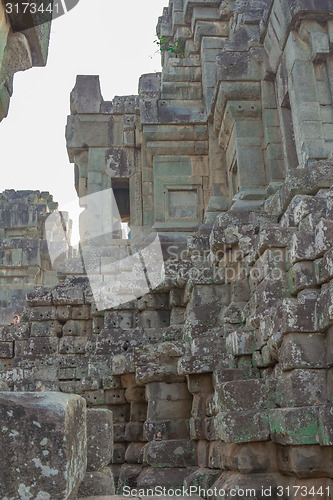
{"x":288,"y":135}
{"x":233,"y":177}
{"x":122,"y":196}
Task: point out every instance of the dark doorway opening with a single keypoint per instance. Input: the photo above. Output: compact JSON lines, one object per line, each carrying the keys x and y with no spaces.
{"x":121,"y":193}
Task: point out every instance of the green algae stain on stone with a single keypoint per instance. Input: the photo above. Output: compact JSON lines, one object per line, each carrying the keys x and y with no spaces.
{"x":295,"y":426}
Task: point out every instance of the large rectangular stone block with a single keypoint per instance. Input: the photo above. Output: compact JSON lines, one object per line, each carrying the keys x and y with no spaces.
{"x":119,"y":450}
{"x":169,"y":392}
{"x":299,"y":316}
{"x":41,"y":346}
{"x":297,"y":426}
{"x":200,"y":383}
{"x":301,"y":275}
{"x":198,"y":429}
{"x":326,"y":425}
{"x":121,"y":413}
{"x":115,"y":341}
{"x":88,"y":383}
{"x":135,"y":395}
{"x":243,"y":395}
{"x":43,"y":313}
{"x":240,"y":343}
{"x":301,"y":388}
{"x":134,"y":432}
{"x":126,"y":476}
{"x":191,"y":365}
{"x":39,"y":297}
{"x":76,"y":327}
{"x":119,"y":429}
{"x":138,"y":412}
{"x":115,"y":397}
{"x":99,"y":438}
{"x":167,"y":429}
{"x":199,"y":404}
{"x":157,"y":373}
{"x":68,"y":294}
{"x":134,"y":453}
{"x":46,"y":329}
{"x":73,"y":345}
{"x":169,"y":410}
{"x":6,"y":349}
{"x":304,"y":461}
{"x":43,"y":443}
{"x":170,"y":453}
{"x":121,"y":319}
{"x":98,"y":484}
{"x":302,"y":350}
{"x":94,"y":398}
{"x":325,"y":308}
{"x":243,"y":427}
{"x":323,"y":236}
{"x":328,"y":265}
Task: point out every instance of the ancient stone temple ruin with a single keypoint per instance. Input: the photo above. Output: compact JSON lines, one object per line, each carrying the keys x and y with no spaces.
{"x":25,"y":261}
{"x":214,"y":369}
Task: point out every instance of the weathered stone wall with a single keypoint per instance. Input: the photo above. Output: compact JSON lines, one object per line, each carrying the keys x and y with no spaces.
{"x":24,"y":253}
{"x":24,"y":261}
{"x":222,"y":375}
{"x":50,"y":444}
{"x":44,"y":445}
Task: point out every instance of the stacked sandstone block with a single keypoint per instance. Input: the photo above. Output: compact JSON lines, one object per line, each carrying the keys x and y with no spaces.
{"x":53,"y":447}
{"x":99,"y":478}
{"x":113,"y":363}
{"x":239,"y":399}
{"x":221,"y":376}
{"x":44,"y":445}
{"x":282,"y":416}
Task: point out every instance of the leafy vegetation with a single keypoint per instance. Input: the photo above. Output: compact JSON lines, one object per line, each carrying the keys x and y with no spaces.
{"x":165,"y":46}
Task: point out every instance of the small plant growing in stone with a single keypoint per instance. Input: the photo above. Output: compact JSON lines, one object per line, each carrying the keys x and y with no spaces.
{"x":165,"y":46}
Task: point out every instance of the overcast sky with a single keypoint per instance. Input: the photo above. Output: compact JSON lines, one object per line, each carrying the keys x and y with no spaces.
{"x":110,"y":38}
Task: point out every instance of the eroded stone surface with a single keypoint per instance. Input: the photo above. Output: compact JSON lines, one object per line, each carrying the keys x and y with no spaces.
{"x":43,"y":442}
{"x":99,"y":438}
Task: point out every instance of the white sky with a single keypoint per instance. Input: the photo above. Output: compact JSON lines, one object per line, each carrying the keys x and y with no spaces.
{"x":110,"y":38}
